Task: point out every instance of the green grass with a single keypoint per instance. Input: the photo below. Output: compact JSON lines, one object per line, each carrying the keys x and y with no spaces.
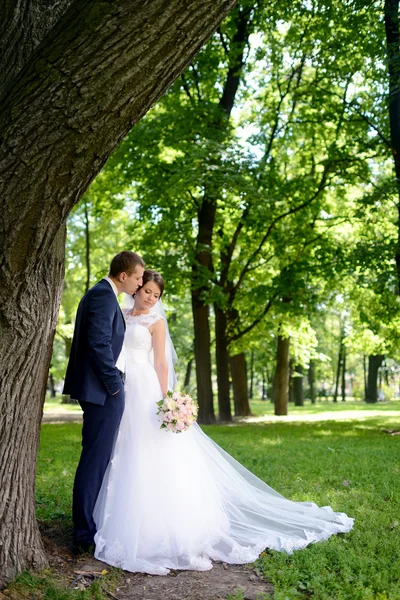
{"x":351,"y":465}
{"x":45,"y":586}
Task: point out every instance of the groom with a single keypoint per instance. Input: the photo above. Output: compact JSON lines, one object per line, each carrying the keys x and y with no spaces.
{"x":95,"y":377}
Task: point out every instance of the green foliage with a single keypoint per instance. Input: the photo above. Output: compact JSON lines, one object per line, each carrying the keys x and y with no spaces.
{"x":300,"y":174}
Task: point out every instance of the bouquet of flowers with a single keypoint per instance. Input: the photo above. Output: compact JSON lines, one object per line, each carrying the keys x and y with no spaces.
{"x":177,"y":411}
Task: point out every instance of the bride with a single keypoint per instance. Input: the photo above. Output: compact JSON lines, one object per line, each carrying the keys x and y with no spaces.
{"x":178,"y":501}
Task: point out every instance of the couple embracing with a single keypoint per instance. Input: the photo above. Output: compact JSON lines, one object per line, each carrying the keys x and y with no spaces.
{"x":146,"y":499}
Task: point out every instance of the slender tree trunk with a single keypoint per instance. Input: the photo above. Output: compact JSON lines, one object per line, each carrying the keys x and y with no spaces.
{"x":251,"y":391}
{"x":343,"y":373}
{"x":202,"y":341}
{"x":311,"y":381}
{"x":386,"y":373}
{"x":291,"y":393}
{"x":338,"y":371}
{"x":52,"y":389}
{"x":188,"y":373}
{"x":374,"y":362}
{"x":222,"y":360}
{"x":58,"y":127}
{"x":391,"y":10}
{"x":264,"y":385}
{"x":87,"y":246}
{"x":365,"y":376}
{"x":273,"y":388}
{"x":297,"y":382}
{"x":281,"y":381}
{"x":239,"y":384}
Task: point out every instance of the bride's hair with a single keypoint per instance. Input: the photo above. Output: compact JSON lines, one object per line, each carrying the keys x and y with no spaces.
{"x":150,"y":275}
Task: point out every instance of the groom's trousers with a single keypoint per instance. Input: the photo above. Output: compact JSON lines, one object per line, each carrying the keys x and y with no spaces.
{"x":100,"y":426}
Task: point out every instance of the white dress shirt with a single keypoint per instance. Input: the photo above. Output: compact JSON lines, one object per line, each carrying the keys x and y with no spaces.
{"x":121,"y":361}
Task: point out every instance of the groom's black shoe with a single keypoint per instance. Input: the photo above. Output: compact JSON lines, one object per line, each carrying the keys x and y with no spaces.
{"x":83,"y":548}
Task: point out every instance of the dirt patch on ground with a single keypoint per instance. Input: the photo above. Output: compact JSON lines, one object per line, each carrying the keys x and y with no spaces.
{"x":223,"y":581}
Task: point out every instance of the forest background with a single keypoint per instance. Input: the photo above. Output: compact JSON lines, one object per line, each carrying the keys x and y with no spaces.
{"x":262,"y":187}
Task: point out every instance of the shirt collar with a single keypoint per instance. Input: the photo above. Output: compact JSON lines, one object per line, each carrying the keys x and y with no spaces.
{"x":113,"y":286}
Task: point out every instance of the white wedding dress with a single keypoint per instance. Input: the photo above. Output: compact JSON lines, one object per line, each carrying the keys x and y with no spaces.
{"x":178,"y":501}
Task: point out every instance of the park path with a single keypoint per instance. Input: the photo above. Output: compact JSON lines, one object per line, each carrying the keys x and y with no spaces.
{"x":64,"y":415}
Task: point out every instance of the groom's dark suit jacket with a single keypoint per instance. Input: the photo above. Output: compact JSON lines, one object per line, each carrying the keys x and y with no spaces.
{"x":98,"y":337}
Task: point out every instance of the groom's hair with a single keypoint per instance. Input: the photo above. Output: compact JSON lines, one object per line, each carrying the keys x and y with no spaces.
{"x":125,"y":262}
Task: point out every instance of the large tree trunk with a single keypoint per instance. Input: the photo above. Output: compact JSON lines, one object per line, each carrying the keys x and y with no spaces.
{"x":239,"y":384}
{"x":297,"y":382}
{"x":25,"y":358}
{"x":281,"y":380}
{"x":23,"y":25}
{"x":374,"y":362}
{"x":202,"y":338}
{"x":235,"y":50}
{"x":93,"y":76}
{"x":393,"y":54}
{"x":222,"y":361}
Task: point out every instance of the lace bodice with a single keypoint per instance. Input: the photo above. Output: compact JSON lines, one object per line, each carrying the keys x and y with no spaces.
{"x":138,"y":340}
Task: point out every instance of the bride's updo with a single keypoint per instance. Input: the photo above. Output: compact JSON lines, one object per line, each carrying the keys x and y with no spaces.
{"x":150,"y":275}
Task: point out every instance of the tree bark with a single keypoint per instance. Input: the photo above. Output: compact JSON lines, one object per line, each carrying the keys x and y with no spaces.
{"x":391,"y":10}
{"x":374,"y":362}
{"x":23,"y":25}
{"x":311,"y":381}
{"x":27,"y":343}
{"x":281,"y":380}
{"x":239,"y":384}
{"x":298,"y":390}
{"x":92,"y":77}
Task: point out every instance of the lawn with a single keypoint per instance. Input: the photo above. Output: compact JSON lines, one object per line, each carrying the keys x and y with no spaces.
{"x":349,"y":464}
